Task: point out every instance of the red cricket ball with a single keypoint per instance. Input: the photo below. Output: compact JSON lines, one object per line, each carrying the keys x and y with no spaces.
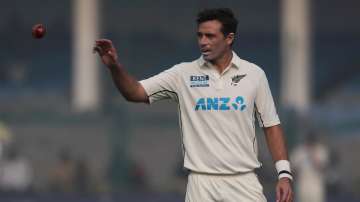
{"x":38,"y":31}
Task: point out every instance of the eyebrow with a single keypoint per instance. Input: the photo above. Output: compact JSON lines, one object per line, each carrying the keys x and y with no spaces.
{"x":206,"y":34}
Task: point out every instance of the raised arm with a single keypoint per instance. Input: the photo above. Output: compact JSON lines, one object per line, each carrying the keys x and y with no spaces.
{"x":128,"y":86}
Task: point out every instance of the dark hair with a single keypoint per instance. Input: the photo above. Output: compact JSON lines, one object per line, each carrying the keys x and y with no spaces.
{"x":224,"y":15}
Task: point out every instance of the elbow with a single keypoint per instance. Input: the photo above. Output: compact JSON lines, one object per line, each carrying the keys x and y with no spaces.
{"x":137,"y":94}
{"x":136,"y":98}
{"x":130,"y":98}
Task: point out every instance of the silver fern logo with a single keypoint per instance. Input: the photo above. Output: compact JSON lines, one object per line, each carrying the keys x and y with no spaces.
{"x":236,"y":79}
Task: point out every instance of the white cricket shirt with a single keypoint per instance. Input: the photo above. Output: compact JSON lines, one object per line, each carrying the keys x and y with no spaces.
{"x":217,"y":112}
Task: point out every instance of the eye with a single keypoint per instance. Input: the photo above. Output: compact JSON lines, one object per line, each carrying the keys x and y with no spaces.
{"x":210,"y":36}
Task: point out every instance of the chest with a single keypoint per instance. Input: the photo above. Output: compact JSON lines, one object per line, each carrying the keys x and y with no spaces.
{"x":207,"y":91}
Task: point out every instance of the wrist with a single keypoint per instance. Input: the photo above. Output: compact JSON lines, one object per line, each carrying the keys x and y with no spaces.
{"x":283,"y":169}
{"x":115,"y":66}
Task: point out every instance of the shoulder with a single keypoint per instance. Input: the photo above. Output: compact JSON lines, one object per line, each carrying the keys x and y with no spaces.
{"x":185,"y":66}
{"x":251,"y":67}
{"x":252,"y":70}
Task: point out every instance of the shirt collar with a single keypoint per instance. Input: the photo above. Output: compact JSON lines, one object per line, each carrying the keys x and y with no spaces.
{"x":235,"y":61}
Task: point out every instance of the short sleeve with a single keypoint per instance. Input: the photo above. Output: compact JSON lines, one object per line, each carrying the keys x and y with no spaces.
{"x":162,"y":86}
{"x":264,"y":104}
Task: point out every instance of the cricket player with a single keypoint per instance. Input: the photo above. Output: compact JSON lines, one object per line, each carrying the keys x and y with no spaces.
{"x":219,"y":95}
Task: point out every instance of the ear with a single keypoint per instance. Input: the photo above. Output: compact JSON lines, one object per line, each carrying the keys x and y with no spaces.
{"x":230,"y":38}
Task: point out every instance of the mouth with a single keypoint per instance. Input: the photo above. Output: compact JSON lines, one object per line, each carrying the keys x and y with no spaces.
{"x":205,"y":52}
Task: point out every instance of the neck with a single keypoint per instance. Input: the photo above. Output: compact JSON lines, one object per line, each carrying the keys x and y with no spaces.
{"x":223,"y":62}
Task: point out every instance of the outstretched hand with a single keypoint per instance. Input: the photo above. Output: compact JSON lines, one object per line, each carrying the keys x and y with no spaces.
{"x":106,"y":51}
{"x":284,"y":191}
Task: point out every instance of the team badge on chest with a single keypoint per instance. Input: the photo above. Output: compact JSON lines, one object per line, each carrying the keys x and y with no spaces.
{"x":236,"y":79}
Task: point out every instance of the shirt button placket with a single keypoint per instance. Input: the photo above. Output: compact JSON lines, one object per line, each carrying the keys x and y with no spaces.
{"x":219,"y":83}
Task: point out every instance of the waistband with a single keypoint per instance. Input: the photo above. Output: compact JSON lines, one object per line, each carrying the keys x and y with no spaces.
{"x":221,"y":174}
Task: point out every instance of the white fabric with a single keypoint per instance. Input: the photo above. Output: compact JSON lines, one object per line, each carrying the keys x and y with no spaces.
{"x":15,"y":175}
{"x":282,"y":165}
{"x":217,"y":112}
{"x":224,"y":188}
{"x":309,"y":163}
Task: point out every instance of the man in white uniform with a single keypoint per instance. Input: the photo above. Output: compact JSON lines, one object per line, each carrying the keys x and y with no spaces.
{"x":218,"y":96}
{"x":310,"y":161}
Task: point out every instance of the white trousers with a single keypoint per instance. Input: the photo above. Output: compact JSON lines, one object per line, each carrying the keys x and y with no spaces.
{"x":243,"y":187}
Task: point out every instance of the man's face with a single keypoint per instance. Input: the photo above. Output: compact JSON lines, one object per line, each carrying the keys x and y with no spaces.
{"x":212,"y":42}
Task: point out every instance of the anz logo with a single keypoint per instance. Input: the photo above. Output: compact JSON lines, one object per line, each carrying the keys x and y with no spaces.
{"x":220,"y":104}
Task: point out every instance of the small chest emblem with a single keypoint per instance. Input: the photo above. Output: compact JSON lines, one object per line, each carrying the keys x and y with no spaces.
{"x":199,"y":81}
{"x":236,"y":79}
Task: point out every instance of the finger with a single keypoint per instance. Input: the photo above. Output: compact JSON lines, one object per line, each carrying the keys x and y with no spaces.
{"x":105,"y":47}
{"x":290,"y":197}
{"x":284,"y":196}
{"x":100,"y":42}
{"x":277,"y":194}
{"x":99,"y":50}
{"x":96,"y":49}
{"x":103,"y":42}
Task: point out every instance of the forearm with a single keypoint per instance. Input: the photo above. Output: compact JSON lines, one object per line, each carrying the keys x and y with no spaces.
{"x":128,"y":86}
{"x":276,"y":142}
{"x":125,"y":83}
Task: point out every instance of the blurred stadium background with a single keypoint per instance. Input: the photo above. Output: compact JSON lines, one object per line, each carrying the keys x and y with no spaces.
{"x":75,"y":138}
